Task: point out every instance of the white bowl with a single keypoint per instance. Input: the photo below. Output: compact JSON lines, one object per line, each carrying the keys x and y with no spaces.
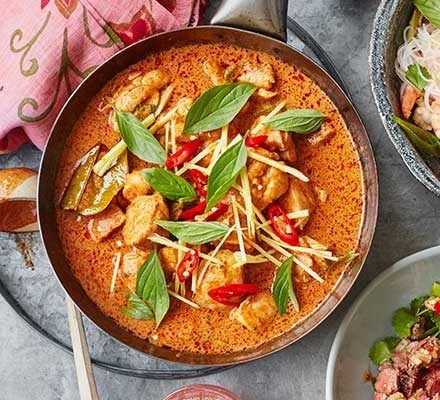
{"x":369,"y":319}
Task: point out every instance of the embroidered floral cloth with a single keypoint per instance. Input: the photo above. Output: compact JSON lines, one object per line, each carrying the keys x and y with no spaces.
{"x":49,"y":46}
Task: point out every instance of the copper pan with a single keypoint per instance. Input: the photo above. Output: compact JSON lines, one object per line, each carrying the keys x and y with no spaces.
{"x":206,"y":34}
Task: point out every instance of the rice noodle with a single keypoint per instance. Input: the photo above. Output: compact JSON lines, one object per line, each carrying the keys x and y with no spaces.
{"x":423,"y":50}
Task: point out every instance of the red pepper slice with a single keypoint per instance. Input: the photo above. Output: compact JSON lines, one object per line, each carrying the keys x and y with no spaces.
{"x":282,"y":225}
{"x":183,"y":155}
{"x":200,"y":180}
{"x":437,"y":307}
{"x":190,"y":213}
{"x":226,"y":293}
{"x":255,"y":141}
{"x":218,"y":211}
{"x":188,"y":264}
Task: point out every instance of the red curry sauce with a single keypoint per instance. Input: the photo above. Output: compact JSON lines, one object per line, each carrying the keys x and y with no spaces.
{"x":332,"y":166}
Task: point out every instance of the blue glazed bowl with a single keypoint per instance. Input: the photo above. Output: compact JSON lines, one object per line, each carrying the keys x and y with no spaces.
{"x":391,"y":19}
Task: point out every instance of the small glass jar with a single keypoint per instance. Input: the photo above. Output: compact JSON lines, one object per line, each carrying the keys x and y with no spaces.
{"x":201,"y":392}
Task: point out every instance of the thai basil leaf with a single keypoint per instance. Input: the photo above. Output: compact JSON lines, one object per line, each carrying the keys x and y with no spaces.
{"x":139,"y":140}
{"x":151,"y":287}
{"x":217,"y":107}
{"x":283,"y":287}
{"x":195,"y":232}
{"x":430,"y":9}
{"x":138,"y":308}
{"x":225,"y":172}
{"x":169,"y":185}
{"x":382,"y":350}
{"x":422,"y":139}
{"x":298,"y":121}
{"x":418,"y":76}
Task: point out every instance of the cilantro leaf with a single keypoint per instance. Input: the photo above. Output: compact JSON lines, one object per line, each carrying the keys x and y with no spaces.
{"x":403,"y":321}
{"x":418,"y":304}
{"x":435,"y":289}
{"x":383,"y":349}
{"x":417,"y":75}
{"x":436,"y":320}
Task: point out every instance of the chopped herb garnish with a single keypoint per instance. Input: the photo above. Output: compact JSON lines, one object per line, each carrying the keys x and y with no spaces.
{"x":382,"y":350}
{"x":418,"y":76}
{"x":403,"y":321}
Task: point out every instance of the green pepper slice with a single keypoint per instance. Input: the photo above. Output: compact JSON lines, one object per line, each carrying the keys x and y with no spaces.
{"x":75,"y":189}
{"x":104,"y":189}
{"x":422,"y":139}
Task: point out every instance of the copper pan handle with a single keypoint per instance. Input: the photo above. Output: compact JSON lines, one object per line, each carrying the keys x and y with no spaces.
{"x":264,"y":16}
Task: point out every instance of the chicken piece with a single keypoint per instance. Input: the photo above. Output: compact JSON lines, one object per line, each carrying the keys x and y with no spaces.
{"x":215,"y":71}
{"x":216,"y":276}
{"x":141,"y":216}
{"x":266,"y":94}
{"x":278,"y":141}
{"x":322,"y":135}
{"x":168,"y":258}
{"x":267,"y":183}
{"x":299,"y":196}
{"x":148,"y":106}
{"x":261,"y":76}
{"x":131,"y":263}
{"x":141,"y":88}
{"x":135,"y":185}
{"x":257,"y":310}
{"x":299,"y":275}
{"x":104,"y":223}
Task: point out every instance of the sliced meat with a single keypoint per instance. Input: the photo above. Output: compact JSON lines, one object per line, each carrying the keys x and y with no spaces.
{"x":279,"y":142}
{"x":256,"y":311}
{"x":432,"y":380}
{"x":299,"y":196}
{"x":388,"y":379}
{"x":131,"y":263}
{"x":267,"y":183}
{"x":419,"y":395}
{"x":141,"y":215}
{"x":139,"y":89}
{"x":394,"y":396}
{"x":135,"y":185}
{"x":261,"y":76}
{"x":104,"y":223}
{"x":168,"y":258}
{"x":216,"y":276}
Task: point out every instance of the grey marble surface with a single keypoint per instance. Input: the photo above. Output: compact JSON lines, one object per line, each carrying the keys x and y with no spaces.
{"x":32,"y":368}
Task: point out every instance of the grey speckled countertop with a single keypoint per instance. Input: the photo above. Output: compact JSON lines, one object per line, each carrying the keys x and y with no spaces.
{"x":32,"y":368}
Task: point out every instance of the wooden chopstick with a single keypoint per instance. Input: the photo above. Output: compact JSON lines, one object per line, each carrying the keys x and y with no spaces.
{"x":84,"y":371}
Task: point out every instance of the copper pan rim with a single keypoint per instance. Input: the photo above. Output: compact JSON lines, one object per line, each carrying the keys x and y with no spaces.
{"x":134,"y":53}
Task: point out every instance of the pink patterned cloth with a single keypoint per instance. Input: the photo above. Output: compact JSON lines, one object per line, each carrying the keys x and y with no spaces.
{"x":48,"y":46}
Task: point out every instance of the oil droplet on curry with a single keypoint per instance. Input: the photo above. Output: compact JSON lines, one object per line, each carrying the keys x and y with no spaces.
{"x":298,"y":194}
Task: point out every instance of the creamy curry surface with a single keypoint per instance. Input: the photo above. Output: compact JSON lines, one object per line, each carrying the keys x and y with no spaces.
{"x":332,"y":166}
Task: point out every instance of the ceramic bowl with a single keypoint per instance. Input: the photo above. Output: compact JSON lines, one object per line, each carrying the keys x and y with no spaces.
{"x":391,"y":19}
{"x":369,"y":319}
